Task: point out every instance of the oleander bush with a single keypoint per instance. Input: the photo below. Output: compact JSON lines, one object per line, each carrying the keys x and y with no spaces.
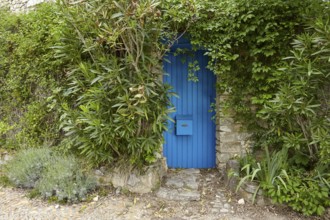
{"x":299,"y":117}
{"x":116,"y":107}
{"x":89,"y":72}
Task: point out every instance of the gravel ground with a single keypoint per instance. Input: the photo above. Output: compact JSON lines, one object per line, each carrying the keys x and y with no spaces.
{"x":15,"y":205}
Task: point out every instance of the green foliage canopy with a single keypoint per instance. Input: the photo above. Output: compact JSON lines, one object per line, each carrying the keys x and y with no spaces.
{"x":29,"y":76}
{"x":116,"y":106}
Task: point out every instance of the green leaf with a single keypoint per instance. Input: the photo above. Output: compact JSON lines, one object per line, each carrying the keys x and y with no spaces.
{"x":116,"y":15}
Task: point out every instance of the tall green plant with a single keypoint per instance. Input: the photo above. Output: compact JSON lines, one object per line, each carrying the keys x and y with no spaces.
{"x":29,"y":74}
{"x":270,"y":170}
{"x":116,"y":105}
{"x":299,"y":114}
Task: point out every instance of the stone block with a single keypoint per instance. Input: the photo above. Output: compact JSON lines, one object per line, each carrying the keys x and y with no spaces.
{"x":143,"y":183}
{"x":218,"y":157}
{"x":224,"y":157}
{"x":247,"y":191}
{"x":243,"y":136}
{"x":221,"y":167}
{"x":225,"y":128}
{"x":174,"y":182}
{"x":218,"y":154}
{"x":232,"y":147}
{"x":226,"y":137}
{"x":133,"y":180}
{"x":226,"y":121}
{"x":178,"y":195}
{"x":237,"y":127}
{"x":233,"y":136}
{"x":118,"y":178}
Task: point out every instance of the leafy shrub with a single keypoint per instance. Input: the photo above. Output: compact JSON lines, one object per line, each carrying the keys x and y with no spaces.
{"x":116,"y":107}
{"x":299,"y":114}
{"x":265,"y":172}
{"x":50,"y":174}
{"x":299,"y":117}
{"x":303,"y":193}
{"x":65,"y":180}
{"x":27,"y":167}
{"x":29,"y":75}
{"x":4,"y":128}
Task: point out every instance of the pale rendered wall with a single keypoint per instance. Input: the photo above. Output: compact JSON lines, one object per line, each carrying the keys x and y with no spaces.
{"x":20,"y":5}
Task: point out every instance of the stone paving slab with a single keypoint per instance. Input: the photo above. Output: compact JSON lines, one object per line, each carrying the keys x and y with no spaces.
{"x":181,"y":185}
{"x":178,"y":195}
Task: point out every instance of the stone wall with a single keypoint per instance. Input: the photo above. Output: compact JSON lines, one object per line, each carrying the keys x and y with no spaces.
{"x":231,"y":141}
{"x":132,"y":180}
{"x":20,"y":5}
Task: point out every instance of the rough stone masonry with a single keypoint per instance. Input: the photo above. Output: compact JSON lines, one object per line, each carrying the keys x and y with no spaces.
{"x":231,"y":140}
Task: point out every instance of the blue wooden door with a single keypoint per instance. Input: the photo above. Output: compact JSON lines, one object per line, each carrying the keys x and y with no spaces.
{"x":190,"y":139}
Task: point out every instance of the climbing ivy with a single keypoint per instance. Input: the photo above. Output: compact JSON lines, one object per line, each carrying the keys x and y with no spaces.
{"x":246,"y":42}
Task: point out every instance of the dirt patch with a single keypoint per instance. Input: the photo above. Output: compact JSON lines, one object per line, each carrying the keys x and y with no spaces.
{"x":122,"y":205}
